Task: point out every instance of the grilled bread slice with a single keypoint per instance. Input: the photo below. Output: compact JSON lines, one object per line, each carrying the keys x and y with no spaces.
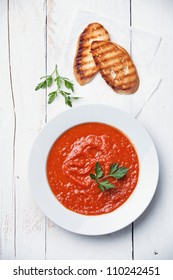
{"x":84,"y":67}
{"x":115,"y":66}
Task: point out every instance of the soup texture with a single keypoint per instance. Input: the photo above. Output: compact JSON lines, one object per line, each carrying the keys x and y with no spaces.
{"x":73,"y":158}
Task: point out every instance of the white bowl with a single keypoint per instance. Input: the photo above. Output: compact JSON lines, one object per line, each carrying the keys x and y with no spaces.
{"x":136,"y":203}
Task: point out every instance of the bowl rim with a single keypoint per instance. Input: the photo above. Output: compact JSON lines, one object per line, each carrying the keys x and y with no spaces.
{"x":129,"y":211}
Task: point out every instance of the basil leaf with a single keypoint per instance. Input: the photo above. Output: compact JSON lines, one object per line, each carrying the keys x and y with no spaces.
{"x":92,"y":176}
{"x":49,"y":81}
{"x":116,"y":172}
{"x":101,"y":187}
{"x":113,"y":168}
{"x":41,"y":85}
{"x":58,"y":81}
{"x":120,"y":173}
{"x":107,"y":185}
{"x":69,"y":85}
{"x":52,"y":95}
{"x":68,"y":101}
{"x":98,"y":171}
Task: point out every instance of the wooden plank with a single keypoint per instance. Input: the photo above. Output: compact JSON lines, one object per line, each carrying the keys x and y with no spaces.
{"x":60,"y":243}
{"x":27,"y":50}
{"x":7,"y":139}
{"x":154,"y":229}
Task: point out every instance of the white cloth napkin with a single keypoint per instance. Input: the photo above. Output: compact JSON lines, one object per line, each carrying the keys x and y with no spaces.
{"x":142,"y":46}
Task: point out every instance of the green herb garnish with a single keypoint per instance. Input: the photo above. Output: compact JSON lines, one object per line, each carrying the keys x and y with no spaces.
{"x":116,"y":172}
{"x":60,"y":82}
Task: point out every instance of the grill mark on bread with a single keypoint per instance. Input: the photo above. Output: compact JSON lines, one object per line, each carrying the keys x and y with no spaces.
{"x":78,"y":62}
{"x":121,"y":74}
{"x":115,"y":66}
{"x":126,"y":80}
{"x":86,"y":77}
{"x":117,"y":59}
{"x":84,"y":66}
{"x":92,"y":27}
{"x":86,"y":38}
{"x":88,"y":68}
{"x":111,"y":64}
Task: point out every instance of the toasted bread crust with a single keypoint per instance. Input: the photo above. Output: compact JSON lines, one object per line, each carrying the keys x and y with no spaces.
{"x":115,"y":66}
{"x":84,"y":67}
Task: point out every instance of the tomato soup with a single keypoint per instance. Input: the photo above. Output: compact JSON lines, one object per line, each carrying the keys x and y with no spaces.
{"x":73,"y":158}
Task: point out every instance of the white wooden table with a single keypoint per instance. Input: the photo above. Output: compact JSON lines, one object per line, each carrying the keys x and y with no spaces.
{"x":32,"y":38}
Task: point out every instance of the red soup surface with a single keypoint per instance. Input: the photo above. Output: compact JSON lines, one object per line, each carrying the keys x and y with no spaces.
{"x":72,"y":159}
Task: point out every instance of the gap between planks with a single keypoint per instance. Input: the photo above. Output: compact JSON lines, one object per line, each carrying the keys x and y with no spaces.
{"x":132,"y":226}
{"x":14,"y":134}
{"x":45,"y":120}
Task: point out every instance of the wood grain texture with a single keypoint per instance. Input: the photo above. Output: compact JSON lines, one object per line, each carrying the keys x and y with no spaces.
{"x":33,"y":34}
{"x":154,"y":229}
{"x":60,"y":243}
{"x":27,"y":50}
{"x":7,"y":143}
